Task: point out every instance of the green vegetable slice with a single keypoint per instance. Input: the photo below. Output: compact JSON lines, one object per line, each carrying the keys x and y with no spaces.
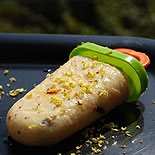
{"x":137,"y":76}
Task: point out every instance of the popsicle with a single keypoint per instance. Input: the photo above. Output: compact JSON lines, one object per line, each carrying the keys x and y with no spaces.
{"x":95,"y":80}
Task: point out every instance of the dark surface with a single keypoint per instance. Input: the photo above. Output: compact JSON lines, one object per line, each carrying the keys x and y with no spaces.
{"x":27,"y":57}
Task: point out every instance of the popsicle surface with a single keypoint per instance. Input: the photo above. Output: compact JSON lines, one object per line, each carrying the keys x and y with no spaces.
{"x":75,"y":95}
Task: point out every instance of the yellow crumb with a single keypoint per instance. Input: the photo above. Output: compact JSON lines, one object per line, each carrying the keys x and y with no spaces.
{"x":123,"y":146}
{"x":29,"y":95}
{"x":8,"y":85}
{"x":123,"y":128}
{"x":32,"y":126}
{"x":138,"y":127}
{"x":1,"y":87}
{"x":95,"y":150}
{"x":6,"y":72}
{"x":12,"y":79}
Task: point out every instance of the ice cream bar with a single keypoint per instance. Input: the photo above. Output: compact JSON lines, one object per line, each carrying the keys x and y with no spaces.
{"x":81,"y":91}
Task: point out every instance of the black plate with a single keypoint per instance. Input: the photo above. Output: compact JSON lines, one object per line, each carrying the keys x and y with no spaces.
{"x":28,"y":56}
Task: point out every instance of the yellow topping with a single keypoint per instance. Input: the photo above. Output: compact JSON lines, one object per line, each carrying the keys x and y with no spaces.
{"x":32,"y":126}
{"x":123,"y":128}
{"x":29,"y":95}
{"x":55,"y":99}
{"x":94,"y":64}
{"x":138,"y":127}
{"x":95,"y":83}
{"x":102,"y":74}
{"x":53,"y":85}
{"x":6,"y":72}
{"x":12,"y":79}
{"x":1,"y":87}
{"x":127,"y":133}
{"x":85,"y":65}
{"x":14,"y":93}
{"x":102,"y":137}
{"x":57,"y":105}
{"x":69,"y":74}
{"x":87,"y":88}
{"x":94,"y":140}
{"x":48,"y":75}
{"x":90,"y":74}
{"x":7,"y":94}
{"x":62,"y":111}
{"x":8,"y":85}
{"x":78,"y":147}
{"x":50,"y":119}
{"x":102,"y":92}
{"x":56,"y":79}
{"x":123,"y":146}
{"x":61,"y":80}
{"x":95,"y":150}
{"x":114,"y":130}
{"x":99,"y":145}
{"x":65,"y":85}
{"x":2,"y":93}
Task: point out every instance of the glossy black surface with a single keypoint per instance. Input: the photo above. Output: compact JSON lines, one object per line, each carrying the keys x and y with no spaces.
{"x":33,"y":70}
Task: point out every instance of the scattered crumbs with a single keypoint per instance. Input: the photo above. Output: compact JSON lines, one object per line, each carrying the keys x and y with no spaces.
{"x":106,"y":142}
{"x":2,"y":93}
{"x":138,"y":127}
{"x":78,"y":147}
{"x":12,"y":79}
{"x":123,"y":128}
{"x":95,"y":150}
{"x":48,"y":75}
{"x":78,"y":151}
{"x":152,"y":119}
{"x":100,"y":145}
{"x":6,"y":72}
{"x":115,"y":130}
{"x":0,"y":117}
{"x":123,"y":146}
{"x":124,"y":153}
{"x":73,"y":154}
{"x":15,"y":92}
{"x":0,"y":98}
{"x":94,"y":140}
{"x":127,"y":133}
{"x":153,"y":102}
{"x":88,"y":142}
{"x":1,"y":87}
{"x":141,"y":141}
{"x":8,"y":85}
{"x":34,"y":85}
{"x":59,"y":154}
{"x":113,"y":137}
